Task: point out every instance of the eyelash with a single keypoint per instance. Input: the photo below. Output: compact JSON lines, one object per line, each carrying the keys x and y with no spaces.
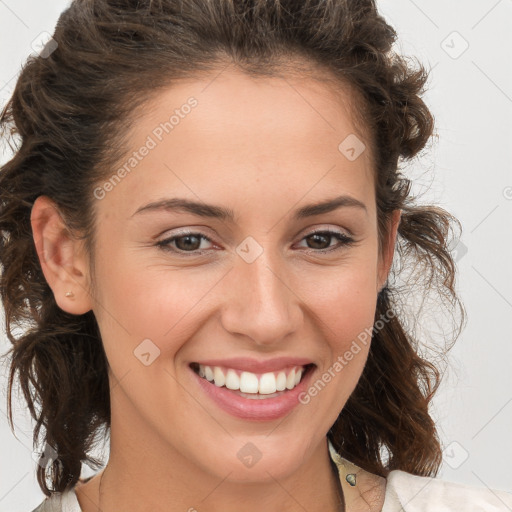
{"x":341,"y":237}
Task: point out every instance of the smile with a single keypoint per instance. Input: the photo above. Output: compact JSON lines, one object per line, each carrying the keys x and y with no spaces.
{"x":252,"y":383}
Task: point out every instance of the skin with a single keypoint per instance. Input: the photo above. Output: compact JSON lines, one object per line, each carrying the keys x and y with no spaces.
{"x":263,"y":149}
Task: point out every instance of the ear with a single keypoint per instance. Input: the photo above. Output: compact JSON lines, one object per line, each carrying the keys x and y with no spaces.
{"x":62,"y":258}
{"x":388,"y":249}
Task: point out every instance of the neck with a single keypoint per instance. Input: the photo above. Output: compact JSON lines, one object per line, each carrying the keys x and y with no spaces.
{"x":134,"y":485}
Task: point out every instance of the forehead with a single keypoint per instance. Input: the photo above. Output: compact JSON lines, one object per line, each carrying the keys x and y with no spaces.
{"x":263,"y":107}
{"x":224,"y":133}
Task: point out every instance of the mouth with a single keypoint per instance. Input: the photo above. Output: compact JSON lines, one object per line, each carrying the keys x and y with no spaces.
{"x":250,"y":385}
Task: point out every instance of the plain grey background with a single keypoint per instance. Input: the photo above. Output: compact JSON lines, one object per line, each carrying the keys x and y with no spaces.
{"x":468,"y":47}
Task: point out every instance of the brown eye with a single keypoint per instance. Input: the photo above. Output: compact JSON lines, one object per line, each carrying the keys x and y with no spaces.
{"x":317,"y":241}
{"x":188,"y":242}
{"x":184,"y":243}
{"x":320,"y":241}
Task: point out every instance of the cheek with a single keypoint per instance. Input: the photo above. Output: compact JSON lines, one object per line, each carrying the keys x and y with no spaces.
{"x":345,"y":299}
{"x":137,"y":301}
{"x":344,"y":303}
{"x":345,"y":313}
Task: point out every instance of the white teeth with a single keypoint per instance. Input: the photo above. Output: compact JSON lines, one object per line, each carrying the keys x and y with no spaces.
{"x":281,"y":381}
{"x":267,"y":384}
{"x":218,"y":375}
{"x":232,"y":380}
{"x":248,"y":383}
{"x":208,"y":373}
{"x":290,"y":380}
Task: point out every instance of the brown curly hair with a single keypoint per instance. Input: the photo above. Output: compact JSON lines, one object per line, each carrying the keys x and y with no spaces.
{"x":66,"y":122}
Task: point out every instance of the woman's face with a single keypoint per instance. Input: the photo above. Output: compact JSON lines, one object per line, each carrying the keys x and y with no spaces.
{"x":251,"y":290}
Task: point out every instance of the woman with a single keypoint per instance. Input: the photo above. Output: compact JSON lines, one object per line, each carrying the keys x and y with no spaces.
{"x":200,"y":224}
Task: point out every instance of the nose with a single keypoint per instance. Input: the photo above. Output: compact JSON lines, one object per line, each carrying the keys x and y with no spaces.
{"x":260,"y":302}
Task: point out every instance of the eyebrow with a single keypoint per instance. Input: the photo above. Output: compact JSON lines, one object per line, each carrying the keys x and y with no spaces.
{"x":226,"y":214}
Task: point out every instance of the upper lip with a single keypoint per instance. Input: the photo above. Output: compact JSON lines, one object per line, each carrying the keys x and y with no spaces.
{"x":255,"y":366}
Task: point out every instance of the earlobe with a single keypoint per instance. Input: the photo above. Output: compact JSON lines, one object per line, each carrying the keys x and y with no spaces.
{"x":62,"y":258}
{"x":388,"y":250}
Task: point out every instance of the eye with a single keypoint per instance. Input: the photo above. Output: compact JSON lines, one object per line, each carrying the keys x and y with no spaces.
{"x":184,"y":243}
{"x":189,"y":243}
{"x":324,"y":237}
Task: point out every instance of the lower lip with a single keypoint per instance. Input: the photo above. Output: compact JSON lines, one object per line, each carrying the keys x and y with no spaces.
{"x":265,"y":409}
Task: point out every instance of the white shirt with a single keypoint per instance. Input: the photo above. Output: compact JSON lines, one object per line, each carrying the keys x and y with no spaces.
{"x":403,"y":492}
